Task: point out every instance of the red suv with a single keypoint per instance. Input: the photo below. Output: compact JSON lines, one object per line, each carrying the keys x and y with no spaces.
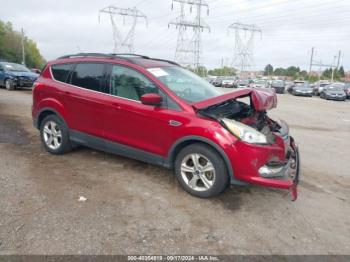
{"x":156,"y":111}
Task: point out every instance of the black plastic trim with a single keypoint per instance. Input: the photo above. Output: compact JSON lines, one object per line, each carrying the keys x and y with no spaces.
{"x":115,"y":148}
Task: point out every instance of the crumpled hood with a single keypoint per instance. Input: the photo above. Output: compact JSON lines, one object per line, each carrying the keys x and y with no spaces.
{"x":262,"y":98}
{"x":25,"y":74}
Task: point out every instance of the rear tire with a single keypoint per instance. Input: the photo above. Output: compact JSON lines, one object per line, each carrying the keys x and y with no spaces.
{"x":201,"y":171}
{"x":55,"y":135}
{"x":9,"y":85}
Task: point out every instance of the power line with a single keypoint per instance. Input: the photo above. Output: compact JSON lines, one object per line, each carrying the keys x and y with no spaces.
{"x":123,"y":44}
{"x":244,"y":42}
{"x":189,"y":49}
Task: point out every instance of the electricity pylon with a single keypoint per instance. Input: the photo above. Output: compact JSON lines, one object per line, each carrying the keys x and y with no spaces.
{"x":244,"y":45}
{"x":123,"y":44}
{"x":189,"y":49}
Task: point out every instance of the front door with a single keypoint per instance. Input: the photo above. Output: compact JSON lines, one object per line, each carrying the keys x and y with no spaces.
{"x":131,"y":123}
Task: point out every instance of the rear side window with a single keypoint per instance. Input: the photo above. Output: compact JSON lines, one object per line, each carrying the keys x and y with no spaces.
{"x":61,"y":72}
{"x":89,"y":76}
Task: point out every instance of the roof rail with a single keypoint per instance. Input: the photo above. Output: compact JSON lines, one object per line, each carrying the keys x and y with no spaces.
{"x":86,"y":54}
{"x":164,"y":60}
{"x":125,"y":56}
{"x":130,"y":54}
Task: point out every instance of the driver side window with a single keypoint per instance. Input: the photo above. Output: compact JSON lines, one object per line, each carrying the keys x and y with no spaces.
{"x":130,"y":84}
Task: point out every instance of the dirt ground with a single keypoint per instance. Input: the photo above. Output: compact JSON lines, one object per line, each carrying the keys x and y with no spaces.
{"x":136,"y":208}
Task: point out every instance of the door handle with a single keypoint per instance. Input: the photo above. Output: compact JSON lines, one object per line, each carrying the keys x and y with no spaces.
{"x":64,"y":92}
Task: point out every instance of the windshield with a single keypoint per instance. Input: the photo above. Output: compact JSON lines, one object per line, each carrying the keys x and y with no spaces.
{"x":260,"y":82}
{"x":185,"y":84}
{"x":335,"y":88}
{"x":278,"y":83}
{"x":302,"y":85}
{"x":243,"y":82}
{"x":15,"y":67}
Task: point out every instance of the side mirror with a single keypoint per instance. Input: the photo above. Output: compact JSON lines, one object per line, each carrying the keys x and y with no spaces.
{"x":151,"y":99}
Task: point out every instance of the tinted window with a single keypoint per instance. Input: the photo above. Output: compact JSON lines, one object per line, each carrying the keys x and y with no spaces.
{"x":89,"y":76}
{"x":61,"y":72}
{"x":128,"y":83}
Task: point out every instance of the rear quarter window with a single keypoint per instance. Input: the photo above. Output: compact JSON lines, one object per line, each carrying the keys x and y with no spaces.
{"x":89,"y":76}
{"x":61,"y":72}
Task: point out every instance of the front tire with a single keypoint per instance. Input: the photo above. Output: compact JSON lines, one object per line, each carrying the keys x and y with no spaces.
{"x":55,"y":135}
{"x":201,"y":171}
{"x":9,"y":85}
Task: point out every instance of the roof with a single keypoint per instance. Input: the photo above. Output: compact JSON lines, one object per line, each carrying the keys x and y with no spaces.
{"x":140,"y":60}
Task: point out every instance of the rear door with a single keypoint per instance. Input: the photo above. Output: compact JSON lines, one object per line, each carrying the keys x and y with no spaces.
{"x":84,"y":98}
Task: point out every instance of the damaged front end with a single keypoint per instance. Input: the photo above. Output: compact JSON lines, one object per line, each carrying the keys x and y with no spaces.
{"x":265,"y":153}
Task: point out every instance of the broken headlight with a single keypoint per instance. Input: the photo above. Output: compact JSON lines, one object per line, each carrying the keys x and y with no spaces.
{"x":244,"y":132}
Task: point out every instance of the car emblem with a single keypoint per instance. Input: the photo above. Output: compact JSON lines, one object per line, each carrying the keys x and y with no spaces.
{"x":174,"y":123}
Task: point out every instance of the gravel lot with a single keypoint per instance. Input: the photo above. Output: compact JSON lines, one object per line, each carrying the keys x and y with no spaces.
{"x":136,"y":208}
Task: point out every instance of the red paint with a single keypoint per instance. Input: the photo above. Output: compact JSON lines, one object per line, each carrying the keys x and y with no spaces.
{"x":263,"y":98}
{"x":147,"y":127}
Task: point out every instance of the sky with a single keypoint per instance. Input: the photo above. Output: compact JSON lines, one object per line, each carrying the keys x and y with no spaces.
{"x":290,"y":28}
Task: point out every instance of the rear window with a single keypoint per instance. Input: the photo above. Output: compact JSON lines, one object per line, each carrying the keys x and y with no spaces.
{"x":61,"y":72}
{"x":89,"y":76}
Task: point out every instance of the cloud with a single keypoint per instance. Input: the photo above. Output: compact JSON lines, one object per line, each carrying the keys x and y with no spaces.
{"x":290,"y":28}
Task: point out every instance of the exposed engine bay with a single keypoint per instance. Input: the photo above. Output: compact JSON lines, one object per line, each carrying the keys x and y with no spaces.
{"x":246,"y":114}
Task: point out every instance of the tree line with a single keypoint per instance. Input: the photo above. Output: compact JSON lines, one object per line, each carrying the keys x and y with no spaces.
{"x":295,"y":73}
{"x":11,"y":47}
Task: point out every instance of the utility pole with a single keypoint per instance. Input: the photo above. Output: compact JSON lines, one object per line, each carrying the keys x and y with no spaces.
{"x":123,"y":44}
{"x":189,"y":49}
{"x":23,"y":51}
{"x":333,"y":66}
{"x":244,"y":44}
{"x":312,"y":57}
{"x":339,"y":54}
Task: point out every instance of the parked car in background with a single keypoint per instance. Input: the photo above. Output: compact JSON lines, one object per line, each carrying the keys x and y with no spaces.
{"x":217,"y":82}
{"x":156,"y":111}
{"x":290,"y":88}
{"x":259,"y":84}
{"x":319,"y":85}
{"x":347,"y":89}
{"x":241,"y":83}
{"x":289,"y":84}
{"x":333,"y":92}
{"x":279,"y":86}
{"x":14,"y":76}
{"x":227,"y":83}
{"x":302,"y":89}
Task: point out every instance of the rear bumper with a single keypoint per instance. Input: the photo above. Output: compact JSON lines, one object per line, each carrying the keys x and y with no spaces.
{"x":276,"y":166}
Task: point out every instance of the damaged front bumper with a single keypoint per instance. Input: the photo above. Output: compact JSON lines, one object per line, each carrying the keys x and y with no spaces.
{"x":275,"y":166}
{"x":283,"y":175}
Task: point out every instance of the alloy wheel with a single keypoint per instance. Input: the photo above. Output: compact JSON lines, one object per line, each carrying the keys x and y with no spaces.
{"x":198,"y":172}
{"x":52,"y":135}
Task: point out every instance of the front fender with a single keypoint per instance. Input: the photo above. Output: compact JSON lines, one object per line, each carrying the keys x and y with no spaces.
{"x":209,"y":142}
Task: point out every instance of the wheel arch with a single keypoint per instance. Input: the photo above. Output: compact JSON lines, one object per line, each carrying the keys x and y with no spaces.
{"x":46,"y":112}
{"x":185,"y":141}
